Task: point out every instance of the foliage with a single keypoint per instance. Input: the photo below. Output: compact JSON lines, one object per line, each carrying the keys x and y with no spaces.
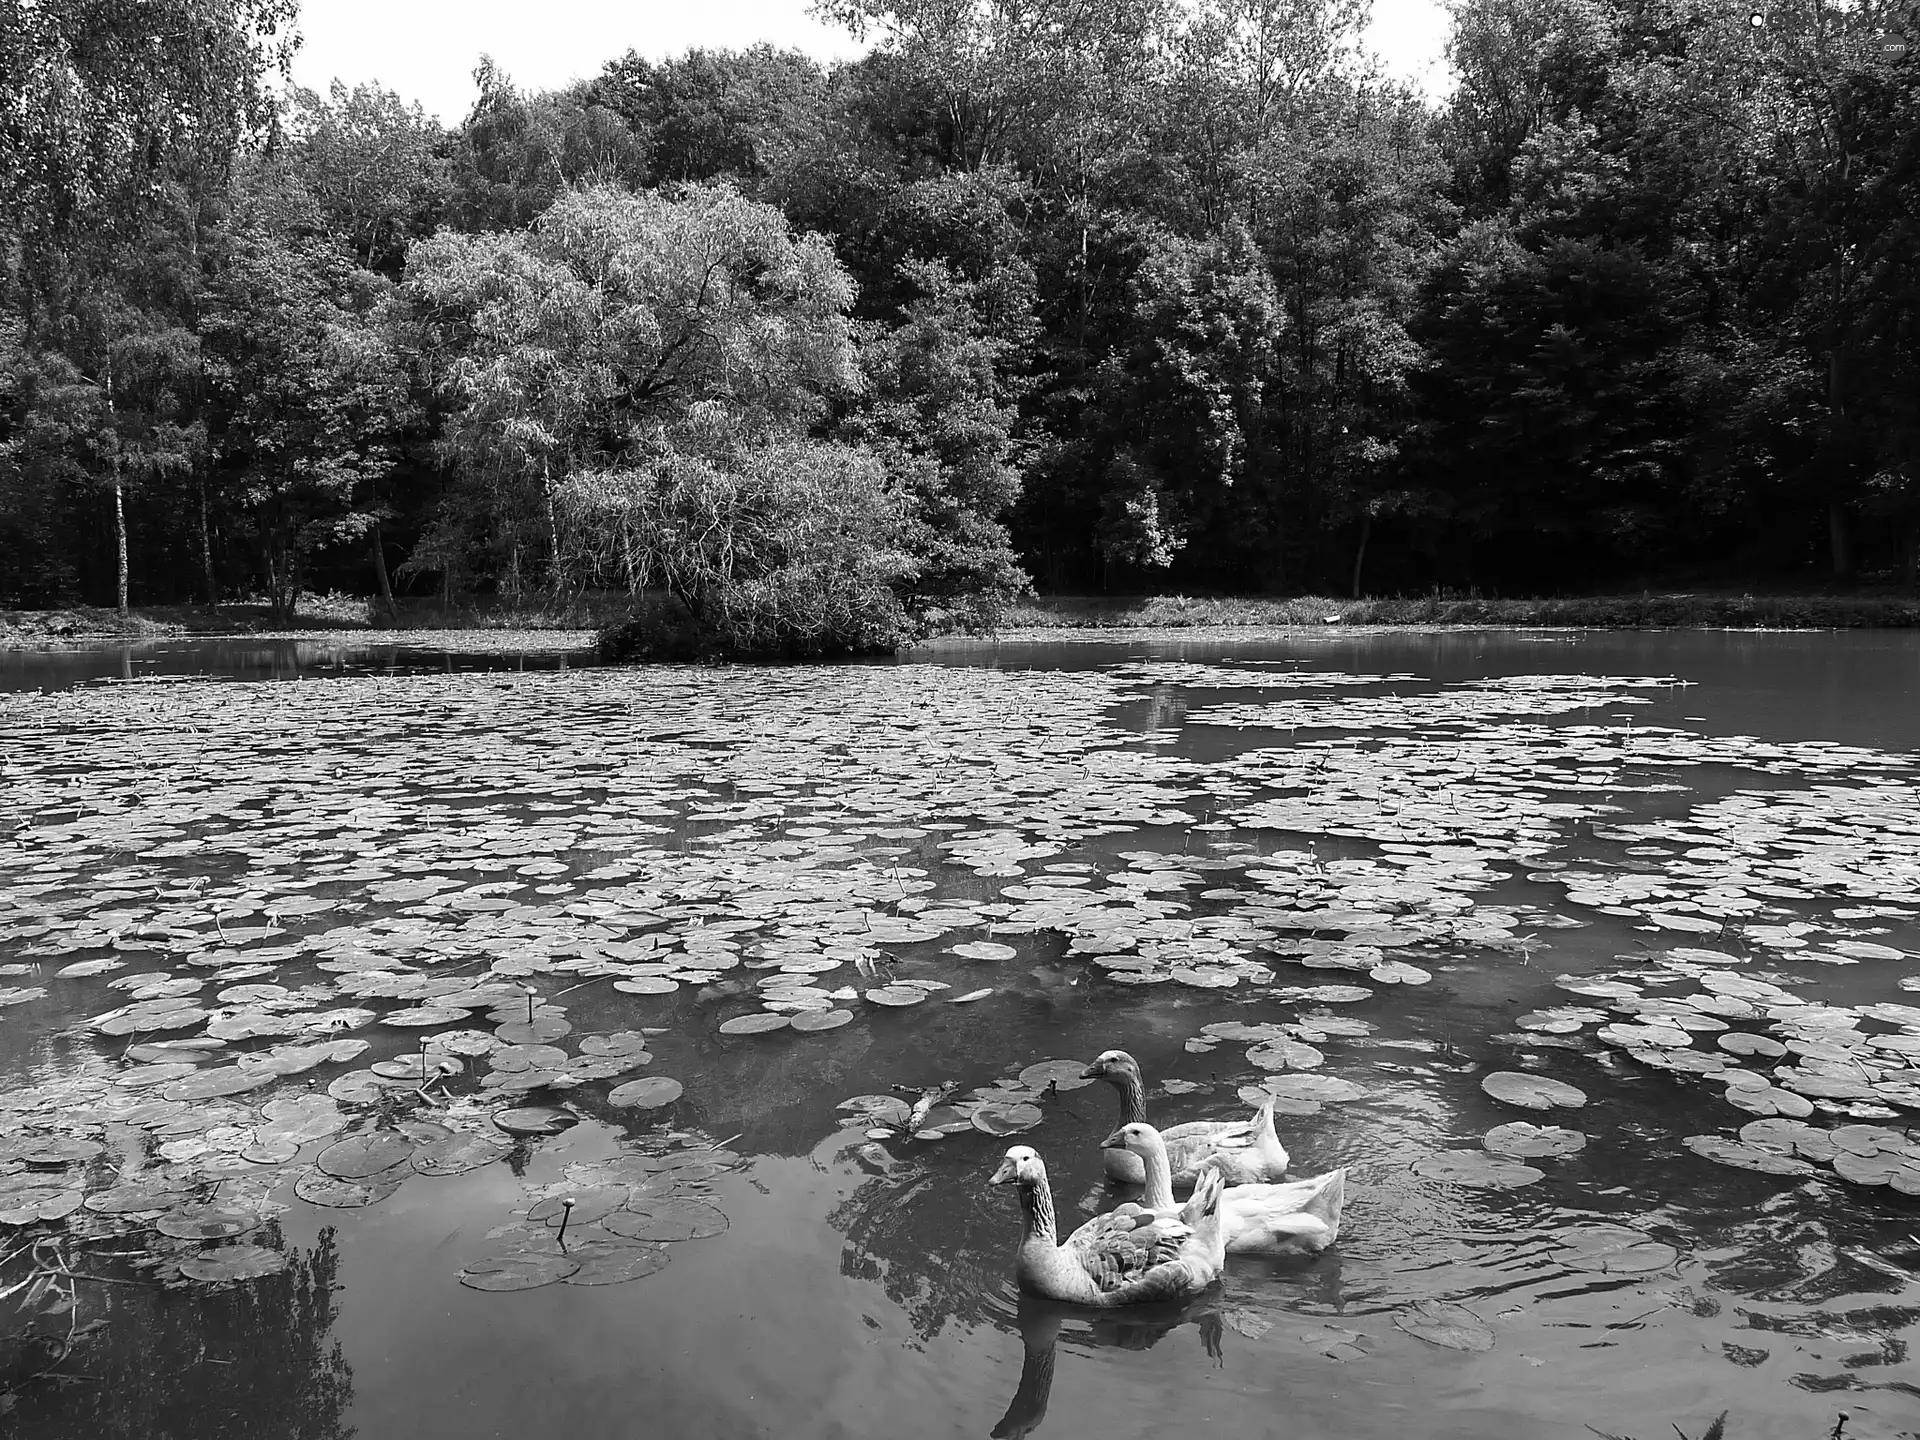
{"x":1138,"y":294}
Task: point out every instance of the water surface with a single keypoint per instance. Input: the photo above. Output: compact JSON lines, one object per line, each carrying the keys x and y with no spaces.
{"x":1506,"y":813}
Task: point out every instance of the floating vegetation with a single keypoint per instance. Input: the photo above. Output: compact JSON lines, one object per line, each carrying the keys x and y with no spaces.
{"x":323,"y":965}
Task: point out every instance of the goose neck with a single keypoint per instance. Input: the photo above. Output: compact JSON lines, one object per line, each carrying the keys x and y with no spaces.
{"x":1036,"y":1201}
{"x":1133,"y":1098}
{"x":1159,"y":1178}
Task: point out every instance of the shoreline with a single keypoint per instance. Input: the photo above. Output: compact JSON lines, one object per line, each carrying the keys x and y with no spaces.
{"x":573,"y":626}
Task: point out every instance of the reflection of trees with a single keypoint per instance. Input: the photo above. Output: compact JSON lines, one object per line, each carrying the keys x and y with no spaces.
{"x":926,"y":1241}
{"x":251,"y":1362}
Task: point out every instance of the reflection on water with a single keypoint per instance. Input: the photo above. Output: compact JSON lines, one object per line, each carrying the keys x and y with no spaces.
{"x":264,"y":659}
{"x":255,"y":1362}
{"x":863,"y":1288}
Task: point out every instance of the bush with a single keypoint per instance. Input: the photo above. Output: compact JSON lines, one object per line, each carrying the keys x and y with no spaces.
{"x":789,"y":550}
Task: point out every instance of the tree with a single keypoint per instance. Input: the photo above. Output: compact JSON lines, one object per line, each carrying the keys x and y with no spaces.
{"x":310,"y":393}
{"x":374,"y":165}
{"x":635,"y":364}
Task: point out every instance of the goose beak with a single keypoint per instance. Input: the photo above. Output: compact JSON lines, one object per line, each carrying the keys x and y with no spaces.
{"x":1004,"y":1175}
{"x":1093,"y":1071}
{"x":1115,"y":1141}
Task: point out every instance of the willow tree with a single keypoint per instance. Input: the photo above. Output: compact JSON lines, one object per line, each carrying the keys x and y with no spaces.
{"x":620,"y":372}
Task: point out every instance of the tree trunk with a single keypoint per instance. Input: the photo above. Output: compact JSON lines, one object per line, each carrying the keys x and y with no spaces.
{"x":119,"y":509}
{"x":1360,"y":553}
{"x":1838,"y":540}
{"x":206,"y":549}
{"x":120,"y":538}
{"x":557,"y":575}
{"x":380,"y":573}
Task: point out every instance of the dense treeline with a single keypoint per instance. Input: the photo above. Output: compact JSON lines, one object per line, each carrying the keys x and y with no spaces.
{"x":1132,"y":295}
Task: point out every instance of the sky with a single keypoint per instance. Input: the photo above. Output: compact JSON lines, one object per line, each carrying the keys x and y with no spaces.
{"x":426,"y":49}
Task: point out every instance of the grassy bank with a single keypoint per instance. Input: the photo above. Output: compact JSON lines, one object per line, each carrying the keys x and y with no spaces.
{"x":30,"y":629}
{"x":1647,"y":611}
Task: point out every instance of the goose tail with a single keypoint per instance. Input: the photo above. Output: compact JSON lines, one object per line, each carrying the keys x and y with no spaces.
{"x":1328,"y":1200}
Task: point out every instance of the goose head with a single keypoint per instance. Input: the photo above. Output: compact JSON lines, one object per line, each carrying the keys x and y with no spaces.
{"x":1111,"y":1066}
{"x":1021,"y":1167}
{"x":1138,"y":1138}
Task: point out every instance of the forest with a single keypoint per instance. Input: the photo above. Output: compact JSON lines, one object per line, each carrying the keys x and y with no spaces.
{"x":1146,"y":295}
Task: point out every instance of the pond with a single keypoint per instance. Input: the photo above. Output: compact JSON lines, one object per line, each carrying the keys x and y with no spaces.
{"x":529,"y":1052}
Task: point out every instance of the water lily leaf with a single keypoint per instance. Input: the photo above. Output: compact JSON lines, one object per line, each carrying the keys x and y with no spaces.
{"x":1060,"y":1074}
{"x":1006,"y":1119}
{"x":605,"y":1264}
{"x":1743,"y":1156}
{"x":666,"y":1220}
{"x":539,"y":1119}
{"x":1285,"y":1055}
{"x":57,"y":1150}
{"x":1440,"y":1322}
{"x":647,"y":985}
{"x":1398,"y":972}
{"x":459,"y":1153}
{"x":317,"y":1187}
{"x":358,"y":1156}
{"x":897,"y":995}
{"x":984,"y":950}
{"x":970,"y":996}
{"x":578,"y":1206}
{"x":814,"y":1020}
{"x":1612,"y":1249}
{"x":1525,"y":1141}
{"x":134,"y":1198}
{"x":540,"y":1030}
{"x":648,"y":1094}
{"x":1532,"y":1092}
{"x":204,"y":1222}
{"x":753,"y":1024}
{"x":1476,"y":1168}
{"x":518,"y":1272}
{"x":626,"y":1044}
{"x":301,"y":1118}
{"x":234,"y":1262}
{"x":1317,"y":1088}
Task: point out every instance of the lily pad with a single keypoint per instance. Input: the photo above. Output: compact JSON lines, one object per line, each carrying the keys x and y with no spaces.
{"x":1532,"y":1092}
{"x":604,"y":1264}
{"x":648,"y":1094}
{"x":459,"y":1153}
{"x":753,"y":1024}
{"x":1007,"y":1119}
{"x":201,"y":1222}
{"x":1613,"y":1250}
{"x":234,"y":1262}
{"x":539,"y":1119}
{"x":317,"y":1187}
{"x":1743,"y":1156}
{"x":1060,"y":1074}
{"x":518,"y":1272}
{"x":1442,"y":1323}
{"x":358,"y":1156}
{"x":1476,"y":1168}
{"x":813,"y":1020}
{"x":666,"y":1220}
{"x":1524,"y":1141}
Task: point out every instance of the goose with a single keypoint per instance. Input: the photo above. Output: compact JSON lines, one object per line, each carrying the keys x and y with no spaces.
{"x":1301,"y":1217}
{"x":1124,"y":1257}
{"x":1250,"y":1151}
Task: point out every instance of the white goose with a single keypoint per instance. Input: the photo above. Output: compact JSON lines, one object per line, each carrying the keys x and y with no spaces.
{"x":1301,"y":1217}
{"x":1249,"y":1151}
{"x":1125,"y":1257}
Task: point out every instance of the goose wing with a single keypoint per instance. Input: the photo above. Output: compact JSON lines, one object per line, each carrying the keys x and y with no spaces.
{"x":1125,"y":1246}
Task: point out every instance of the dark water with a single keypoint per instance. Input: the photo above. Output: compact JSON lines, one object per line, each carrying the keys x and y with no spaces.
{"x":251,"y":659}
{"x":864,"y":1295}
